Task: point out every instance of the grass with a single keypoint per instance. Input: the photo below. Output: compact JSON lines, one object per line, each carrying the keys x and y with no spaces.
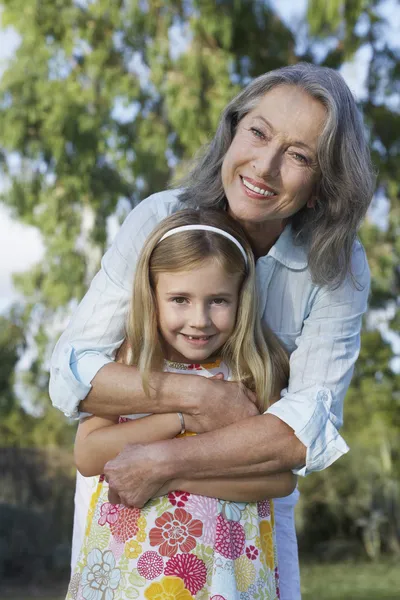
{"x":351,"y":581}
{"x":341,"y":581}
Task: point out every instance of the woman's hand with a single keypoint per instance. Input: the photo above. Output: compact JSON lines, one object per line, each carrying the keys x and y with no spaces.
{"x":135,"y":475}
{"x":218,"y":403}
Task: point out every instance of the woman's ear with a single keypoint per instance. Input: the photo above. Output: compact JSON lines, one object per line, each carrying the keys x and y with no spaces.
{"x":312,"y":202}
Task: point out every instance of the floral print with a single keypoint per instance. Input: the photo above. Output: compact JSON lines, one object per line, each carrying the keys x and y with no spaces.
{"x":177,"y":547}
{"x":264,"y":509}
{"x":267,"y":543}
{"x":175,"y":531}
{"x":132,"y":549}
{"x":167,"y":589}
{"x":100,"y":577}
{"x":126,"y":524}
{"x":189,"y":568}
{"x":109,"y":513}
{"x":231,"y":510}
{"x":245,"y":573}
{"x":178,"y":498}
{"x":150,"y":565}
{"x":230,"y":538}
{"x":251,"y":552}
{"x":205,"y":509}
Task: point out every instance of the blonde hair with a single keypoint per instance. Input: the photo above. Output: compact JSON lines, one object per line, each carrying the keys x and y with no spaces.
{"x":255,"y":357}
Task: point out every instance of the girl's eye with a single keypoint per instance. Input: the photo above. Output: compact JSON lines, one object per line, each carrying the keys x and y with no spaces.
{"x":179,"y":300}
{"x":219,"y":301}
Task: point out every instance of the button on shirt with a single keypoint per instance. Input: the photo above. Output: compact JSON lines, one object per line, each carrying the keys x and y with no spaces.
{"x":320,"y":327}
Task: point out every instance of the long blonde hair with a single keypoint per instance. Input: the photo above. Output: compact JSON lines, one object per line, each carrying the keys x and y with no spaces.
{"x":255,"y":356}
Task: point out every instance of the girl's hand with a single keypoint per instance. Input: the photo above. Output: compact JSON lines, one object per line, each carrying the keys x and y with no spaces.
{"x":219,"y":403}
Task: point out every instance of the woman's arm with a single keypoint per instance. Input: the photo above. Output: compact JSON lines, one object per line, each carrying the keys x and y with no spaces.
{"x":99,"y":439}
{"x":117,"y":390}
{"x":240,"y":489}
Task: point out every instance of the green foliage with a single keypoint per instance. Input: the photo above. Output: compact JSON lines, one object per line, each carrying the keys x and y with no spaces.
{"x":359,"y":497}
{"x":97,"y":104}
{"x":350,"y":581}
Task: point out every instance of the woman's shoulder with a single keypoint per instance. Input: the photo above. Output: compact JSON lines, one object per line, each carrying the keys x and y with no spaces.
{"x":160,"y":205}
{"x":144,"y":217}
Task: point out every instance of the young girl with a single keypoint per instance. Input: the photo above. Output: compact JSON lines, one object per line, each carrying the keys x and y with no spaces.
{"x":193,"y":310}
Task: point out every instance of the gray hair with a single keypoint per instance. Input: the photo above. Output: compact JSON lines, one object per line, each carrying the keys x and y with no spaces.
{"x":347,"y":180}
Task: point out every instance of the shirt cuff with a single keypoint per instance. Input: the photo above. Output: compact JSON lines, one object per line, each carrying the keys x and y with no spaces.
{"x":314,"y":424}
{"x":70,"y":381}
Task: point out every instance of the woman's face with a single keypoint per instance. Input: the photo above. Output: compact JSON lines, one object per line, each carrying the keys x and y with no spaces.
{"x":270,"y":170}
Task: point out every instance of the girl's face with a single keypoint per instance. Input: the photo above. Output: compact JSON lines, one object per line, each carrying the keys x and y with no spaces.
{"x":196,"y":311}
{"x":270,"y":170}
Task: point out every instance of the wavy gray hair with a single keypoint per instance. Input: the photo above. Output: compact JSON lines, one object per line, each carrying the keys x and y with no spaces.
{"x":347,"y":180}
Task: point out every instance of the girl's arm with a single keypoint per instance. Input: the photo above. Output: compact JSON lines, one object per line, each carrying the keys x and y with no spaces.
{"x":100,"y":439}
{"x":240,"y":489}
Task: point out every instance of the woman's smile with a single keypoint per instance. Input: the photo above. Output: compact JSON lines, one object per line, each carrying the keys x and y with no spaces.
{"x":256,"y":188}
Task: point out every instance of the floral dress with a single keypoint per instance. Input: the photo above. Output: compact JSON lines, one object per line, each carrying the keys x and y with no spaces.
{"x":178,"y":547}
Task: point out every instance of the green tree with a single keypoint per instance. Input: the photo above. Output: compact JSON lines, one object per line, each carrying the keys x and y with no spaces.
{"x":361,"y":493}
{"x":99,"y":106}
{"x":19,"y":428}
{"x":103,"y":103}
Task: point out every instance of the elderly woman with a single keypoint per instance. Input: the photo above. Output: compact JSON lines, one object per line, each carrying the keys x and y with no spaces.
{"x":290,"y":162}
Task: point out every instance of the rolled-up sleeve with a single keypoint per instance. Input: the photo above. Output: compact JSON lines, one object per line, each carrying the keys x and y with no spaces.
{"x":322,"y":365}
{"x":97,"y":328}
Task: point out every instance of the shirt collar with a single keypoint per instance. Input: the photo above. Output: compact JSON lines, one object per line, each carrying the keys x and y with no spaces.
{"x":287,"y":252}
{"x":291,"y":255}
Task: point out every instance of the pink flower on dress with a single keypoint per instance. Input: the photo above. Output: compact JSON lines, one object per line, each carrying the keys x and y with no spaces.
{"x":190,"y":568}
{"x":109,"y":513}
{"x":230,"y":538}
{"x":150,"y":565}
{"x":116,"y":547}
{"x":175,"y":532}
{"x":251,"y":552}
{"x":178,"y":498}
{"x":205,"y":509}
{"x":126,"y":526}
{"x":264,"y":509}
{"x":196,"y":367}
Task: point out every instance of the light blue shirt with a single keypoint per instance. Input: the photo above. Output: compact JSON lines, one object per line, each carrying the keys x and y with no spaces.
{"x":320,"y":327}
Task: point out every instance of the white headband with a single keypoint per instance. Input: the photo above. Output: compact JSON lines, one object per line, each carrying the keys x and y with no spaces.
{"x":206,"y":228}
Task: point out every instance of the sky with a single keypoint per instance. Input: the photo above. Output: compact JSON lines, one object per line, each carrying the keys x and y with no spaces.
{"x":21,"y":246}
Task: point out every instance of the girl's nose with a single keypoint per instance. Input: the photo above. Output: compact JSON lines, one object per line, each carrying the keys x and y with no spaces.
{"x":199,"y":317}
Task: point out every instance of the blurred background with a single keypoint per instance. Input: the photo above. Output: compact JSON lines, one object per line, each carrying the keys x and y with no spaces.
{"x":103,"y":103}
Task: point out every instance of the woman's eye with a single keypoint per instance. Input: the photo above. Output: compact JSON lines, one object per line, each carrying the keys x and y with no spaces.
{"x":257,"y":133}
{"x":300,"y":157}
{"x":179,"y":300}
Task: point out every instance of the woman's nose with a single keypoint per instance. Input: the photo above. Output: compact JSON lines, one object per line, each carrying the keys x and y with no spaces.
{"x":268,"y":162}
